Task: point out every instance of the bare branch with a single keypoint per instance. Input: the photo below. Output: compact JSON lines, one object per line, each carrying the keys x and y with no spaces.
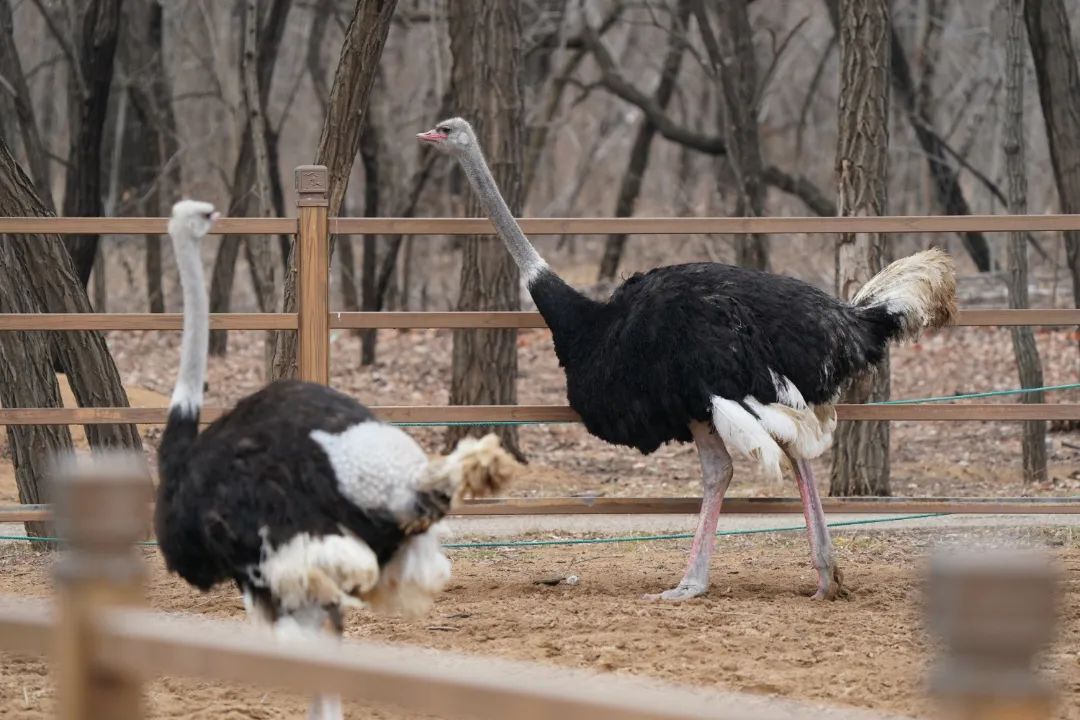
{"x":801,"y":188}
{"x":63,"y":39}
{"x":619,"y":86}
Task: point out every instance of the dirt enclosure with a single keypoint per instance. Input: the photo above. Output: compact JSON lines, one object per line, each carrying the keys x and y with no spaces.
{"x":756,"y":631}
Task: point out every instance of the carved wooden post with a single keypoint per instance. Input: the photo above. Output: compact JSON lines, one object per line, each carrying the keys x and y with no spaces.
{"x":313,"y":264}
{"x":994,"y":610}
{"x":102,"y":505}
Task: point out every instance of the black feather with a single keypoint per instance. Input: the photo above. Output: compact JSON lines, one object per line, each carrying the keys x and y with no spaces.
{"x":643,"y":365}
{"x":258,"y":468}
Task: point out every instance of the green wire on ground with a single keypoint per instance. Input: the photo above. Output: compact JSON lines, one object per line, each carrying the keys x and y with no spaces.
{"x":592,"y":541}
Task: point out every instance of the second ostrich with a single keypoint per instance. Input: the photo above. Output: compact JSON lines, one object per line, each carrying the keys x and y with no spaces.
{"x":736,"y":360}
{"x":299,"y":495}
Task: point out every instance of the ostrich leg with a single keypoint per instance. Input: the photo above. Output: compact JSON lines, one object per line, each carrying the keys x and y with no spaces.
{"x":309,"y":622}
{"x":716,"y":471}
{"x":830,"y":579}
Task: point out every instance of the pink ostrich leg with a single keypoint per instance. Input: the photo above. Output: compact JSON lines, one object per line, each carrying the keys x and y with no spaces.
{"x":716,"y":471}
{"x":830,"y":579}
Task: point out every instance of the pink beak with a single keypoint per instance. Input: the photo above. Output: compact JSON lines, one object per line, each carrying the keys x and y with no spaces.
{"x":215,"y":216}
{"x":430,"y":136}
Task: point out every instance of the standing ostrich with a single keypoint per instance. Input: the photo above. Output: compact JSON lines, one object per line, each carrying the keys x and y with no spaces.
{"x":299,"y":495}
{"x":736,"y":360}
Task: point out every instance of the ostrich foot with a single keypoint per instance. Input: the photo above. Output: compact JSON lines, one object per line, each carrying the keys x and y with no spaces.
{"x":684,"y":591}
{"x":831,"y":585}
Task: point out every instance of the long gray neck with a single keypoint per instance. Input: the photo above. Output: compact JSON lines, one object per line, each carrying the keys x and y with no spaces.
{"x":529,"y":262}
{"x":188,"y":393}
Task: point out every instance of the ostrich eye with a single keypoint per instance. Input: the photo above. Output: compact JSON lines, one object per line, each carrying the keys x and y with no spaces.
{"x":445,"y":130}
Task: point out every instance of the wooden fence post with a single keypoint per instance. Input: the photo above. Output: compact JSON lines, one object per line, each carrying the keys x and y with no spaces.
{"x":995,"y":611}
{"x":102,"y":505}
{"x":313,"y":266}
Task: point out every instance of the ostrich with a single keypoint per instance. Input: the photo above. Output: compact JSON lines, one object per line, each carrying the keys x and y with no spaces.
{"x":299,"y":495}
{"x":738,"y":361}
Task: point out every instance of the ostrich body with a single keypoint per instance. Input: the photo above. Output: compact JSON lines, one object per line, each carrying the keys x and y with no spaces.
{"x":299,"y":495}
{"x":736,"y":360}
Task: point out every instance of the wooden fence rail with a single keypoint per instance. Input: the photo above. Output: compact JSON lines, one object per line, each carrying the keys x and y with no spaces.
{"x":416,"y":320}
{"x":313,"y":322}
{"x":566,"y":226}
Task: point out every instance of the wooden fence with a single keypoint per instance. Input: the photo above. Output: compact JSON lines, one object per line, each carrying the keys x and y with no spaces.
{"x":313,"y":322}
{"x":103,"y":646}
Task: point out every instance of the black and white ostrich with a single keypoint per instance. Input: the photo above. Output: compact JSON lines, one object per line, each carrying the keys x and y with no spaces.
{"x":299,"y":495}
{"x":736,"y":360}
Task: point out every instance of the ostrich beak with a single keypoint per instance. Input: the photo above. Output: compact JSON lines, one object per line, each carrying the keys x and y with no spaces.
{"x":430,"y":136}
{"x":215,"y":216}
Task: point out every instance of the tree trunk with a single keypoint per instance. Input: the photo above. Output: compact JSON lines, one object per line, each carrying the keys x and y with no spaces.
{"x":258,"y":250}
{"x":1027,"y":352}
{"x":151,"y":98}
{"x":256,"y":187}
{"x":731,"y":55}
{"x":11,"y":69}
{"x":369,"y":156}
{"x":485,"y":41}
{"x":630,"y":187}
{"x":27,"y":380}
{"x":861,"y":449}
{"x":41,"y":266}
{"x":26,"y":369}
{"x":97,"y":26}
{"x":340,"y":140}
{"x":1058,"y":75}
{"x":946,"y":179}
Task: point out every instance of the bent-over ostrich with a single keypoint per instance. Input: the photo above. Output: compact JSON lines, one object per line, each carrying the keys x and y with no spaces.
{"x":737,"y":360}
{"x":299,"y":495}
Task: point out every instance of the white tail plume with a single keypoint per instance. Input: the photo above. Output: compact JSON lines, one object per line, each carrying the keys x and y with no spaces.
{"x":920,"y":290}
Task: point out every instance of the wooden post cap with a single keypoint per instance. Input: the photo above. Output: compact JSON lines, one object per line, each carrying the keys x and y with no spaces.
{"x":312,"y":182}
{"x":994,"y":610}
{"x":102,"y":500}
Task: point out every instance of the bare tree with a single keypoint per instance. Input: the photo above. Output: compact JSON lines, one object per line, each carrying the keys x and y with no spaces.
{"x":11,"y":70}
{"x":861,"y":449}
{"x":26,"y":368}
{"x":40,"y":269}
{"x":255,"y":100}
{"x":630,"y":186}
{"x":1027,"y":352}
{"x":1058,"y":74}
{"x":613,"y":81}
{"x":735,"y":67}
{"x":252,"y":190}
{"x":485,"y":40}
{"x":339,"y":142}
{"x":93,"y":49}
{"x":154,"y":146}
{"x":369,"y":157}
{"x":915,"y":102}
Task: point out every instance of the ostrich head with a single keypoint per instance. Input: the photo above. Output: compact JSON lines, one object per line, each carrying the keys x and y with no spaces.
{"x":453,"y":136}
{"x":192,"y":218}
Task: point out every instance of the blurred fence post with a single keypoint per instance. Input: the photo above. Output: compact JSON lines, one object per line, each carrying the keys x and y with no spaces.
{"x":102,"y":508}
{"x":994,"y":611}
{"x":313,"y":266}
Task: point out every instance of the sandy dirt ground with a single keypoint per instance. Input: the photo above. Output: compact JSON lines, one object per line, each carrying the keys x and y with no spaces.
{"x":756,"y":631}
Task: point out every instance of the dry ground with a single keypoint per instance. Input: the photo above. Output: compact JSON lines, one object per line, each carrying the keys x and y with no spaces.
{"x":756,"y":631}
